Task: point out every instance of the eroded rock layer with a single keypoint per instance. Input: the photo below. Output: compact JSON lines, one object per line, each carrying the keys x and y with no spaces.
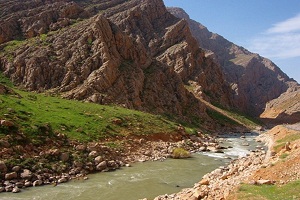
{"x":132,"y":53}
{"x":254,"y":80}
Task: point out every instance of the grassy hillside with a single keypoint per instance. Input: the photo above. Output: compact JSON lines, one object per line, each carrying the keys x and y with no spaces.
{"x":82,"y":121}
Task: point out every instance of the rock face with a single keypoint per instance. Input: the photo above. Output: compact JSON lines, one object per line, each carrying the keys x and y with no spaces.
{"x":135,"y":54}
{"x":284,"y":109}
{"x":254,"y":80}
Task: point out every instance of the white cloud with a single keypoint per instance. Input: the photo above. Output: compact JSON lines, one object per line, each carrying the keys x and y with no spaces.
{"x":280,"y":41}
{"x":287,"y":26}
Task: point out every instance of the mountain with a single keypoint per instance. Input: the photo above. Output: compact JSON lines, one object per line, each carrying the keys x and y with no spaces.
{"x":130,"y":53}
{"x":284,"y":109}
{"x":134,"y":54}
{"x":254,"y":80}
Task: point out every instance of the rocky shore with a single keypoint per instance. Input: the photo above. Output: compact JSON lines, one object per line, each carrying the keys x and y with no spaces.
{"x":55,"y":165}
{"x":221,"y":182}
{"x":258,"y":168}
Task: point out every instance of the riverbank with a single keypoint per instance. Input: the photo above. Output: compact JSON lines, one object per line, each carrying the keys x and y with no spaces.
{"x":99,"y":157}
{"x":279,"y":165}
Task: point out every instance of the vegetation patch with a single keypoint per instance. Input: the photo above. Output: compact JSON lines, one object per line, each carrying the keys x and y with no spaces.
{"x":180,"y":153}
{"x":269,"y":192}
{"x":245,"y":119}
{"x":222,"y":119}
{"x":32,"y":112}
{"x":289,"y":138}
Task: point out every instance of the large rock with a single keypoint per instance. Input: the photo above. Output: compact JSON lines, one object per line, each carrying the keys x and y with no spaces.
{"x":37,"y":183}
{"x":6,"y":123}
{"x":16,"y":190}
{"x":64,"y":156}
{"x":101,"y":166}
{"x":10,"y":176}
{"x":98,"y":160}
{"x":3,"y":167}
{"x":26,"y":174}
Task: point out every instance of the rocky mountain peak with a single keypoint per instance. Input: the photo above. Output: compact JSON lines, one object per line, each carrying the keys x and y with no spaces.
{"x":131,"y":53}
{"x":254,"y":80}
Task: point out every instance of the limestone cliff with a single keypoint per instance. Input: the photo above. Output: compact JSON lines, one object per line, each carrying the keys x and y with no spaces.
{"x":131,"y":53}
{"x":254,"y":80}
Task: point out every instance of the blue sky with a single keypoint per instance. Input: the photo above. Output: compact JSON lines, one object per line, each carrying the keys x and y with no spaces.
{"x":270,"y":28}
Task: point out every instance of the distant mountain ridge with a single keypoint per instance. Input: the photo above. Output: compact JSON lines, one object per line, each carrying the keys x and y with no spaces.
{"x":255,"y":80}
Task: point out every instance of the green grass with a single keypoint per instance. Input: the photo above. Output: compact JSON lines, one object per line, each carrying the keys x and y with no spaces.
{"x":222,"y":119}
{"x":77,"y":120}
{"x":289,"y":191}
{"x":289,"y":138}
{"x":249,"y":121}
{"x":5,"y":81}
{"x":180,"y":153}
{"x":283,"y":156}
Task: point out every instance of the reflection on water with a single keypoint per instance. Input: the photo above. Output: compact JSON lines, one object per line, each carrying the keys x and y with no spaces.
{"x":143,"y":180}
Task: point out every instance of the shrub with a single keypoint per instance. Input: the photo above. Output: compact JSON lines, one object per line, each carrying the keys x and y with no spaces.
{"x":180,"y":153}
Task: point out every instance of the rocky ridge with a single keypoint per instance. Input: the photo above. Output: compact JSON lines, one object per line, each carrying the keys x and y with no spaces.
{"x":134,"y":54}
{"x":284,"y":109}
{"x":254,"y":80}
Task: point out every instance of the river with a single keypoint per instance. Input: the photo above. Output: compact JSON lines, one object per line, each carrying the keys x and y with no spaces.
{"x":142,"y":180}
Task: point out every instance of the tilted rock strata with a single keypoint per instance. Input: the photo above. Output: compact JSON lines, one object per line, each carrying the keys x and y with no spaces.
{"x":134,"y":54}
{"x":254,"y":80}
{"x":284,"y":109}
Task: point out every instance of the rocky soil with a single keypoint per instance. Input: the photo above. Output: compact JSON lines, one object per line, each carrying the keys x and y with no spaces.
{"x":221,"y":182}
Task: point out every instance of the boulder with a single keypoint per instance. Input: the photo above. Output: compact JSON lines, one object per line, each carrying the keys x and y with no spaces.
{"x":204,"y":182}
{"x":93,"y":154}
{"x":264,"y":182}
{"x":64,"y":157}
{"x":28,"y":184}
{"x":26,"y":174}
{"x":9,"y":188}
{"x":10,"y":176}
{"x":112,"y":164}
{"x":16,"y":190}
{"x":98,"y":160}
{"x":80,"y":147}
{"x":101,"y":166}
{"x":6,"y":123}
{"x":37,"y":183}
{"x":2,"y":189}
{"x":3,"y":167}
{"x":62,"y":180}
{"x":16,"y":168}
{"x":19,"y":184}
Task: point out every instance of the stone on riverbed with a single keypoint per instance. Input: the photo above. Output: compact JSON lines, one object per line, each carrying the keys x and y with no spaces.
{"x":16,"y":190}
{"x":101,"y":166}
{"x":37,"y":183}
{"x":264,"y":182}
{"x":11,"y":176}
